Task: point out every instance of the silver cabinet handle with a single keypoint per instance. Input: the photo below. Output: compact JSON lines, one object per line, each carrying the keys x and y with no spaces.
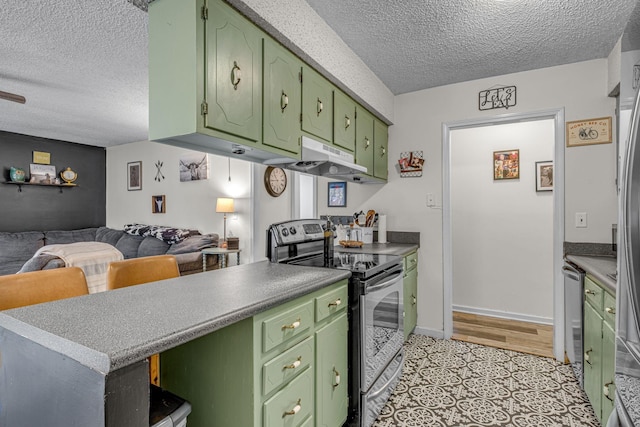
{"x":347,"y":122}
{"x":335,"y":303}
{"x":610,"y":310}
{"x":383,"y":152}
{"x":294,"y":410}
{"x":589,"y":292}
{"x":336,"y":377}
{"x":236,"y":75}
{"x":587,"y":357}
{"x":366,"y":143}
{"x":284,"y":101}
{"x":293,"y":325}
{"x":605,"y":390}
{"x":413,"y":299}
{"x":319,"y":106}
{"x":294,"y":365}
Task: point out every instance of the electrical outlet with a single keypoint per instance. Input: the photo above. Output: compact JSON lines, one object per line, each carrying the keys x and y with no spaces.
{"x":431,"y":200}
{"x":581,"y":220}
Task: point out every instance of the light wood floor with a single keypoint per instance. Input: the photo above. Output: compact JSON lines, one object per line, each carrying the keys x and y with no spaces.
{"x":532,"y":338}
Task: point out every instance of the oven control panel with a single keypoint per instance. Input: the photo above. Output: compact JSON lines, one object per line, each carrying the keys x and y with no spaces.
{"x":297,"y":231}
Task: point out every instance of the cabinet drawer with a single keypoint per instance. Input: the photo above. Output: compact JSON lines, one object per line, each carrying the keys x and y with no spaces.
{"x":331,"y":302}
{"x":609,"y":310}
{"x":410,"y":261}
{"x":593,"y":293}
{"x":286,"y":325}
{"x":293,"y":404}
{"x":286,"y":366}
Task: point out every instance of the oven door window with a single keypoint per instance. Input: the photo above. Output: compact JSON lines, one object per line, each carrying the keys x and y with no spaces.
{"x":383,"y":335}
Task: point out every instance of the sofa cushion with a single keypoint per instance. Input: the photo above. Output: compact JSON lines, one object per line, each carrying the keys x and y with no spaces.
{"x":20,"y":246}
{"x":194,"y":244}
{"x":57,"y":237}
{"x":129,"y":245}
{"x":109,"y":235}
{"x":152,"y":246}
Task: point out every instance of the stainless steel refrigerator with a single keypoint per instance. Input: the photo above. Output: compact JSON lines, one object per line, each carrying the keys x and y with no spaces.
{"x":627,"y":378}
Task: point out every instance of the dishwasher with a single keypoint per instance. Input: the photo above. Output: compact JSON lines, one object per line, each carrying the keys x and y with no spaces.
{"x":573,"y":300}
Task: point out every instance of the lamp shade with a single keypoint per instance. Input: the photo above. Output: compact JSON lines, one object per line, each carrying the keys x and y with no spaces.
{"x":224,"y":205}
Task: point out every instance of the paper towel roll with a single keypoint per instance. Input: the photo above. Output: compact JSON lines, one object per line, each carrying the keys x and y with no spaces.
{"x":382,"y":229}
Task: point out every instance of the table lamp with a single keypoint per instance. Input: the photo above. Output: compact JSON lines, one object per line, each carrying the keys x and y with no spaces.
{"x":224,"y":205}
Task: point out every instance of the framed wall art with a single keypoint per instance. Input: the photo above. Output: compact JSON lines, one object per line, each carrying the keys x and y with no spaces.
{"x":194,"y":167}
{"x":337,"y":194}
{"x":134,"y":176}
{"x":411,"y":164}
{"x":544,"y":176}
{"x":589,"y":132}
{"x":158,"y":204}
{"x":506,"y":165}
{"x":42,"y":174}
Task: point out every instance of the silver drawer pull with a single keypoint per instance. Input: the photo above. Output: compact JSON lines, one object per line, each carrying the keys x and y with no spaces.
{"x":337,"y":378}
{"x":610,"y":310}
{"x":293,"y":325}
{"x":319,"y":106}
{"x":589,"y":292}
{"x":295,"y":364}
{"x":335,"y":303}
{"x":236,"y":75}
{"x":295,"y":409}
{"x":587,"y":357}
{"x":284,"y":101}
{"x":605,"y":390}
{"x":347,"y":122}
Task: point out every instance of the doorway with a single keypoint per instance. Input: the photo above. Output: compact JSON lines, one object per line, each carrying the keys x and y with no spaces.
{"x":502,"y":219}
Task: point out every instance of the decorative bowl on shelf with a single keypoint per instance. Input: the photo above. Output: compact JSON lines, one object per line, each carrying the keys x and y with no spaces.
{"x":17,"y":174}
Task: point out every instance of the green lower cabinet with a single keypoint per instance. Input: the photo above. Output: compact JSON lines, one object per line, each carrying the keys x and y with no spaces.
{"x":599,"y":348}
{"x":410,"y":289}
{"x":332,"y":400}
{"x":282,"y":99}
{"x":280,"y":368}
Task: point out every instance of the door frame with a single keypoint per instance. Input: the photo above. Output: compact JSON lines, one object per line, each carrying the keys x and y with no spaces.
{"x":557,"y":115}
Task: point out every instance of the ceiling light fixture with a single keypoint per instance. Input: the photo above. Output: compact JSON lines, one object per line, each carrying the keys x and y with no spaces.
{"x":12,"y":97}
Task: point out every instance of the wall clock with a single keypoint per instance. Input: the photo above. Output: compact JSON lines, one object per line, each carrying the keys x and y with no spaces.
{"x":275,"y":181}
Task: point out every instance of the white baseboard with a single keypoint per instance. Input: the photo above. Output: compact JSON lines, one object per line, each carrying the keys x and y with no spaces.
{"x":503,"y":314}
{"x":433,"y":333}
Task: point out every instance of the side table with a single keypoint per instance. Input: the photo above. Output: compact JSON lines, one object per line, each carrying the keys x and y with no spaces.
{"x":221,"y":253}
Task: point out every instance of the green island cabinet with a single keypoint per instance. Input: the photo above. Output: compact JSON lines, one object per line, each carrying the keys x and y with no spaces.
{"x":286,"y":366}
{"x":282,"y":98}
{"x":410,"y":289}
{"x":599,"y":347}
{"x":317,"y":104}
{"x":344,"y":121}
{"x":371,"y":144}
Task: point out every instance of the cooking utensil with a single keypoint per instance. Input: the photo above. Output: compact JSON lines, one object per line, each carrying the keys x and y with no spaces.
{"x":369,"y":219}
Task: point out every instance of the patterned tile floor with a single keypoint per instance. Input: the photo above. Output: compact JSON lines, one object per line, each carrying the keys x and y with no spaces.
{"x":455,"y":383}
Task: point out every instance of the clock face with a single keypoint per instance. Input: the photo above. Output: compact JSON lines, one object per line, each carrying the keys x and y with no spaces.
{"x":275,"y":181}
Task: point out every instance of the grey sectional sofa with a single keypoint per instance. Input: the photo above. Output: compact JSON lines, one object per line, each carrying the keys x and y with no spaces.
{"x":17,"y":249}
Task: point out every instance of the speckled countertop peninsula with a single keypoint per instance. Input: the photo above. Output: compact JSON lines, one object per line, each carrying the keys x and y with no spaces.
{"x":110,"y":330}
{"x":600,"y":267}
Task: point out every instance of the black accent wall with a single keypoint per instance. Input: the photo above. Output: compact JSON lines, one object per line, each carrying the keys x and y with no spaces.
{"x":42,"y":208}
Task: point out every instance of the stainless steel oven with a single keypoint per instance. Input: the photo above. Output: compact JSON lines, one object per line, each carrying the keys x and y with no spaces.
{"x":376,"y":312}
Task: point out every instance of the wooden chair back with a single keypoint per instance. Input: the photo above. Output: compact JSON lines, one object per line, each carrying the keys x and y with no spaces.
{"x":136,"y":271}
{"x":19,"y":290}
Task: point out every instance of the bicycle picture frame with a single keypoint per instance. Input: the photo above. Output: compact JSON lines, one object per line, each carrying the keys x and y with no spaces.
{"x":589,"y":132}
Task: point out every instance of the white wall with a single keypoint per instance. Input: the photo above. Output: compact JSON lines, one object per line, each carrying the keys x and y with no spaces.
{"x":190,"y":204}
{"x":590,"y":170}
{"x":502,"y":231}
{"x":628,"y":61}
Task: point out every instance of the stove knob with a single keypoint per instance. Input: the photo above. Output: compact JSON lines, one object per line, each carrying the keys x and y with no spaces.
{"x":293,"y":231}
{"x":285,"y":232}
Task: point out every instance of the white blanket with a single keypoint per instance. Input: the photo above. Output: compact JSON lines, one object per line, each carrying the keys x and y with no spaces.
{"x":92,"y":257}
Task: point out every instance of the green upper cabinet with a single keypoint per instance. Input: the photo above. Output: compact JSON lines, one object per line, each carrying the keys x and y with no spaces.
{"x":233,"y":64}
{"x":380,"y":148}
{"x":344,"y":121}
{"x":364,"y":139}
{"x":317,"y":104}
{"x":282,"y":99}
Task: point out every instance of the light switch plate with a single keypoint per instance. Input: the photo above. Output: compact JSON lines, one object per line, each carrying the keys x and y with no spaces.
{"x":581,"y":220}
{"x":431,"y":200}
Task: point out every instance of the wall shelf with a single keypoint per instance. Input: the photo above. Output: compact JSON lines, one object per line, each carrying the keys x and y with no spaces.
{"x":20,"y":184}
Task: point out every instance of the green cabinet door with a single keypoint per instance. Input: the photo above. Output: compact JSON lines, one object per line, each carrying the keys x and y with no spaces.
{"x":410,"y":284}
{"x":317,"y":104}
{"x":233,"y":73}
{"x":282,"y":102}
{"x":608,"y":370}
{"x":364,"y":139}
{"x":344,"y":121}
{"x":380,"y":147}
{"x":593,"y":357}
{"x":331,"y":373}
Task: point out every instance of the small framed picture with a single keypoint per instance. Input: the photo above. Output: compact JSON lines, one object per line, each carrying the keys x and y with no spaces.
{"x":506,"y":165}
{"x":158,"y":204}
{"x":589,"y":132}
{"x":42,"y":174}
{"x":337,"y":194}
{"x":544,"y":176}
{"x":134,"y":176}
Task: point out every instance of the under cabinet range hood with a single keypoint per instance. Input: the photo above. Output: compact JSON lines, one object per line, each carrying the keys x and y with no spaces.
{"x":324,"y":160}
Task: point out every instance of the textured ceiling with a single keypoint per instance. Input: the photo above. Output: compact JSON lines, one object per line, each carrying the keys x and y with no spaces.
{"x":82,"y":65}
{"x":417,"y":44}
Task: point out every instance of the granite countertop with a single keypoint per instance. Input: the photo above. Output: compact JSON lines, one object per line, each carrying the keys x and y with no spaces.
{"x":110,"y":330}
{"x":400,"y":249}
{"x":600,"y":267}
